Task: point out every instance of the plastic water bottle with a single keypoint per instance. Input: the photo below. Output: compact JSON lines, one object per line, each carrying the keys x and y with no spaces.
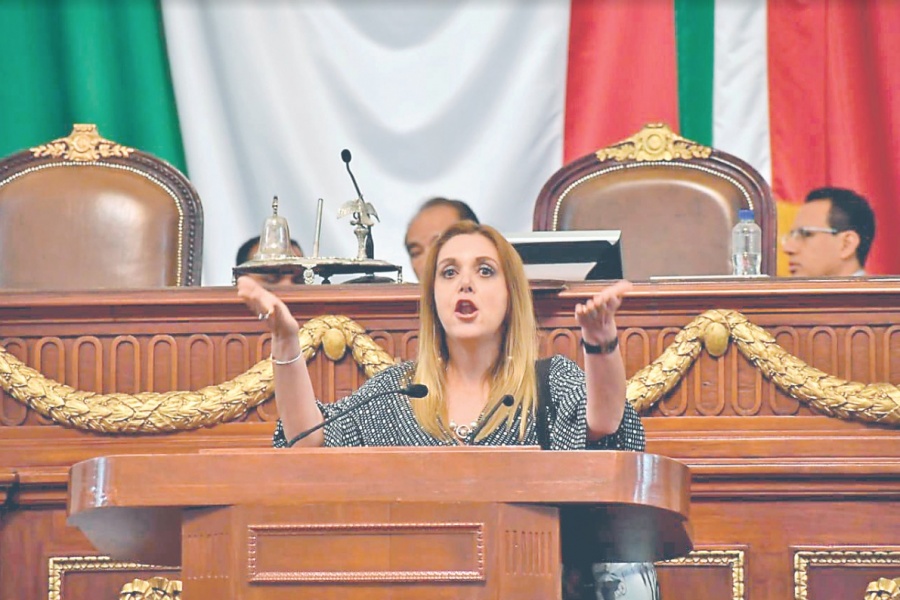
{"x":746,"y":240}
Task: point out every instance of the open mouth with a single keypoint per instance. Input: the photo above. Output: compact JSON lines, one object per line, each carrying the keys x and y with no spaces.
{"x":466,"y":308}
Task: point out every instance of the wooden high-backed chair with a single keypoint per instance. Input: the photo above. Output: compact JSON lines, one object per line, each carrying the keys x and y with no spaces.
{"x":674,"y":200}
{"x":83,"y":212}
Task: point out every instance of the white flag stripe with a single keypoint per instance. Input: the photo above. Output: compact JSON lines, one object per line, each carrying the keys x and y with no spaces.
{"x":740,"y":83}
{"x":460,"y":99}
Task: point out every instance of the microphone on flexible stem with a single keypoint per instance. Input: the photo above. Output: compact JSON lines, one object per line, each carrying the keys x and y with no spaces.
{"x":346,"y":156}
{"x":506,"y":400}
{"x":370,"y":243}
{"x":415,"y":390}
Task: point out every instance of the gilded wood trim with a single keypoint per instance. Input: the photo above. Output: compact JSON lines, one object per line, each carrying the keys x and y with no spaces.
{"x":475,"y":530}
{"x":58,"y":566}
{"x":883,"y":589}
{"x":652,"y":143}
{"x":154,"y":412}
{"x":705,"y":558}
{"x":84,"y":144}
{"x":150,"y":412}
{"x":804,"y":559}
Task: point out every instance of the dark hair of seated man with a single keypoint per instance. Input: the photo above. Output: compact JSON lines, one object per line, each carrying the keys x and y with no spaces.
{"x":429,"y":222}
{"x":249,"y":249}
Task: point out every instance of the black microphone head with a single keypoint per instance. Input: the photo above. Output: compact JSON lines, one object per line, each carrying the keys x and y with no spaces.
{"x":345,"y":155}
{"x":507,"y":400}
{"x":416,"y":390}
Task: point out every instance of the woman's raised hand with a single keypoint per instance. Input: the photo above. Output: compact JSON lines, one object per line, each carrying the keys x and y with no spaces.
{"x":294,"y":394}
{"x":267,"y":307}
{"x":596,"y":317}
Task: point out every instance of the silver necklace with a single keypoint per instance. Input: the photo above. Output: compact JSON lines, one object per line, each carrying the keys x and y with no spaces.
{"x":463,"y":431}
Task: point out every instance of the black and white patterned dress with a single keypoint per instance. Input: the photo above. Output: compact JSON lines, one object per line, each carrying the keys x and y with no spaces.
{"x":389,"y":420}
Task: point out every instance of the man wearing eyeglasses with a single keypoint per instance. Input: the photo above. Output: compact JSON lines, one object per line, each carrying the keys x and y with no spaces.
{"x":831,"y":236}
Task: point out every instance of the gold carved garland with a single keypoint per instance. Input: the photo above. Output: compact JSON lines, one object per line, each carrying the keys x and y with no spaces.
{"x":152,"y":412}
{"x":872,"y":403}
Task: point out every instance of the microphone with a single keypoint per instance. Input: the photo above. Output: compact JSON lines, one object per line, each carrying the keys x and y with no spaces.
{"x":414,"y":390}
{"x":346,"y":156}
{"x":506,"y":400}
{"x":364,"y":208}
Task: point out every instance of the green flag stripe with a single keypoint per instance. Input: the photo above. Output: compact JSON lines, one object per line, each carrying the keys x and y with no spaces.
{"x":100,"y":62}
{"x":28,"y":92}
{"x":694,"y":27}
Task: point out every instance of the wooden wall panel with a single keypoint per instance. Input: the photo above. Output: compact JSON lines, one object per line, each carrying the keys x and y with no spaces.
{"x":841,"y":572}
{"x":92,"y":577}
{"x":41,"y":557}
{"x":719,"y":573}
{"x":771,"y":477}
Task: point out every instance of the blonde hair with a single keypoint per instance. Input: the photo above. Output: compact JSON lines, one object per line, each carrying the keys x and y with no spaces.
{"x":513,"y":372}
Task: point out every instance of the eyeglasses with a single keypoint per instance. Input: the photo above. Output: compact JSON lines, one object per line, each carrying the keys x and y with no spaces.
{"x":801,"y":234}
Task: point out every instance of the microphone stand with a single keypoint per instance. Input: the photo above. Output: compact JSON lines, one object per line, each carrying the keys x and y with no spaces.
{"x":415,"y":390}
{"x":345,"y":156}
{"x":506,"y":400}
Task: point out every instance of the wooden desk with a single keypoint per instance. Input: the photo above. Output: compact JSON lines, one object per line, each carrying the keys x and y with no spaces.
{"x":392,"y":523}
{"x":779,"y":492}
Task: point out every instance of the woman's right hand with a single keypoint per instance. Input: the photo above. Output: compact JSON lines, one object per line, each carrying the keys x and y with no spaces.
{"x":268,"y":307}
{"x":294,"y":394}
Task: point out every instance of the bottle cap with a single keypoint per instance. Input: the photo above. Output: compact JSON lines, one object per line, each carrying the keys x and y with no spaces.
{"x":745,"y":214}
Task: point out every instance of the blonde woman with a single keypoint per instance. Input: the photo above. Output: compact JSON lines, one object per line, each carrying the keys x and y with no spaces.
{"x":477,"y":344}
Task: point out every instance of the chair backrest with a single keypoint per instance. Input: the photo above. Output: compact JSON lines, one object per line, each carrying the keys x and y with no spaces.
{"x":83,"y":212}
{"x":674,"y":200}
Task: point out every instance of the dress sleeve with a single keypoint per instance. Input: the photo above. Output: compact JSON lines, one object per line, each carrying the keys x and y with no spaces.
{"x":279,"y":439}
{"x":568,"y":394}
{"x":347,"y":432}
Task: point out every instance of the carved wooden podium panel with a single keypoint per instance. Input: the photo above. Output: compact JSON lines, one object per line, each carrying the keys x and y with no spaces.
{"x":398,"y":523}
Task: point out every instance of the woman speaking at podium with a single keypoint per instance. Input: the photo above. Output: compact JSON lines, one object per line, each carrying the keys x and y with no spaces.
{"x":478,"y":375}
{"x":478,"y":359}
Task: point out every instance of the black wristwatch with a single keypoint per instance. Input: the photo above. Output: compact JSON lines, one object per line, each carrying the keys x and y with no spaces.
{"x":602,"y":348}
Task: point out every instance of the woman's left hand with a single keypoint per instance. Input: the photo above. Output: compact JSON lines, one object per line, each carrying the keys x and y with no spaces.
{"x":596,"y":317}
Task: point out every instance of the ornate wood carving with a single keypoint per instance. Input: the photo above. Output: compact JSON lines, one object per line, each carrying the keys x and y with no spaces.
{"x":60,"y":567}
{"x":731,"y":559}
{"x":712,"y":330}
{"x":84,"y":144}
{"x":886,"y":560}
{"x":654,"y":142}
{"x":883,"y":589}
{"x":303,"y":537}
{"x":758,"y":457}
{"x":155,"y":588}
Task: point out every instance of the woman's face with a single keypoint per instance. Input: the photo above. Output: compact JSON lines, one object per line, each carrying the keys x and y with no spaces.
{"x":470,"y":289}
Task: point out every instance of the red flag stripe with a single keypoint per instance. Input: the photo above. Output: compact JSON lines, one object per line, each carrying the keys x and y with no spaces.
{"x":621,"y":73}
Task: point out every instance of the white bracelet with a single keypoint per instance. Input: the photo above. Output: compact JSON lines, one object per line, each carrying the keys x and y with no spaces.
{"x":275,"y":361}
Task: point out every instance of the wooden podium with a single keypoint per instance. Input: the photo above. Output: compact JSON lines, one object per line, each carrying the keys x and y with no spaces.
{"x":386,"y":523}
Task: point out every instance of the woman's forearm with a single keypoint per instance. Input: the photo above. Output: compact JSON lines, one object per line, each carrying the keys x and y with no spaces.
{"x":605,"y":381}
{"x":294,"y":394}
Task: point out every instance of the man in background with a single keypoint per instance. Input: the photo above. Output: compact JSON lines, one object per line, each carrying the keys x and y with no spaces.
{"x":431,"y":220}
{"x":832,"y":235}
{"x":249,"y":249}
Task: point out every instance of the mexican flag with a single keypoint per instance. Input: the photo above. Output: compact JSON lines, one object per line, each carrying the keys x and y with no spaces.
{"x":480,"y":100}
